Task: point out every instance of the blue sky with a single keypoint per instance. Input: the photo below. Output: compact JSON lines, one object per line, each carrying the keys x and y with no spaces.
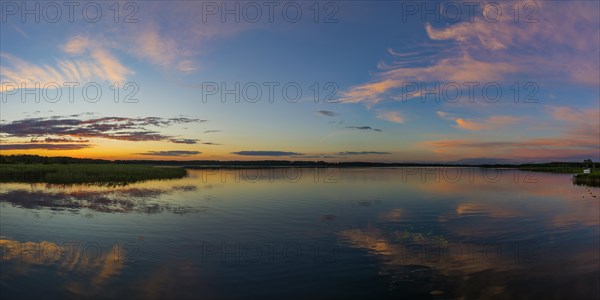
{"x":376,"y":59}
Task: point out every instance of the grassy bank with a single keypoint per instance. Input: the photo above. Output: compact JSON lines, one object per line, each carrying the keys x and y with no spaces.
{"x":103,"y":174}
{"x":571,"y":170}
{"x":553,"y":167}
{"x":592,"y":179}
{"x":576,"y":169}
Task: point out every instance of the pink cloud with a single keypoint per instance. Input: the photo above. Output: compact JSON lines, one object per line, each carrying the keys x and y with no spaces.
{"x":391,"y":116}
{"x":456,"y":69}
{"x":579,"y":136}
{"x":558,"y":46}
{"x":98,"y":65}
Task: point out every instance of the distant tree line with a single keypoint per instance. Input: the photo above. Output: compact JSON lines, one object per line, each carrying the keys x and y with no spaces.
{"x":36,"y":159}
{"x":548,"y":165}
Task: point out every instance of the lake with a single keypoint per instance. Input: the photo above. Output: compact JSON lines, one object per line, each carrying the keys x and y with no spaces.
{"x":378,"y":233}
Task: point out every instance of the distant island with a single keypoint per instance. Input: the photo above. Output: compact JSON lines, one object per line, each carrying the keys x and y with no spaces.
{"x":63,"y":169}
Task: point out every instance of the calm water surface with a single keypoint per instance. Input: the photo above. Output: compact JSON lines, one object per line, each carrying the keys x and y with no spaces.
{"x":398,"y":233}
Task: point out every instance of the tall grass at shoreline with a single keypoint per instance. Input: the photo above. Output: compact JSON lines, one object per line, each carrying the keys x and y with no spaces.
{"x":592,"y":179}
{"x":105,"y":174}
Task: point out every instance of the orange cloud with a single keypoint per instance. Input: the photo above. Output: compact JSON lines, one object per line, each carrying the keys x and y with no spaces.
{"x":493,"y":122}
{"x":112,"y":69}
{"x":370,"y":92}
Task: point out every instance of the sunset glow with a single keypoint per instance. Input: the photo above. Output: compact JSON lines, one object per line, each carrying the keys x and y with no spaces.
{"x":363,"y":82}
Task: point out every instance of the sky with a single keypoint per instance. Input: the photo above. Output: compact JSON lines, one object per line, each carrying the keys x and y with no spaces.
{"x":384,"y":81}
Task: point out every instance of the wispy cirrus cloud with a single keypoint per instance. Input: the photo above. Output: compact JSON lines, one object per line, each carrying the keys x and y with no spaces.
{"x":484,"y":51}
{"x":163,"y":50}
{"x":573,"y":41}
{"x":370,"y":92}
{"x":86,"y":60}
{"x":172,"y":37}
{"x":108,"y":64}
{"x":92,"y":55}
{"x":391,"y":83}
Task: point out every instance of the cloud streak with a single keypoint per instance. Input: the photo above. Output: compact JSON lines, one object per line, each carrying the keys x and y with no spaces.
{"x":266,"y":153}
{"x":366,"y":128}
{"x":59,"y":140}
{"x":86,"y":61}
{"x":578,"y":136}
{"x":115,"y":128}
{"x":391,"y":116}
{"x":492,"y":122}
{"x":326,"y":113}
{"x":363,"y":153}
{"x":170,"y":153}
{"x":35,"y":146}
{"x":184,"y":141}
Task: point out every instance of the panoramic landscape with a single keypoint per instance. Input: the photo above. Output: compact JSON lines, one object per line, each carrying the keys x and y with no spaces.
{"x":299,"y":150}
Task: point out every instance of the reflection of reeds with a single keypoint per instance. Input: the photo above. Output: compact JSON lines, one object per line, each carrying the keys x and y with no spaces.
{"x":112,"y":201}
{"x":592,"y":179}
{"x":102,"y":174}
